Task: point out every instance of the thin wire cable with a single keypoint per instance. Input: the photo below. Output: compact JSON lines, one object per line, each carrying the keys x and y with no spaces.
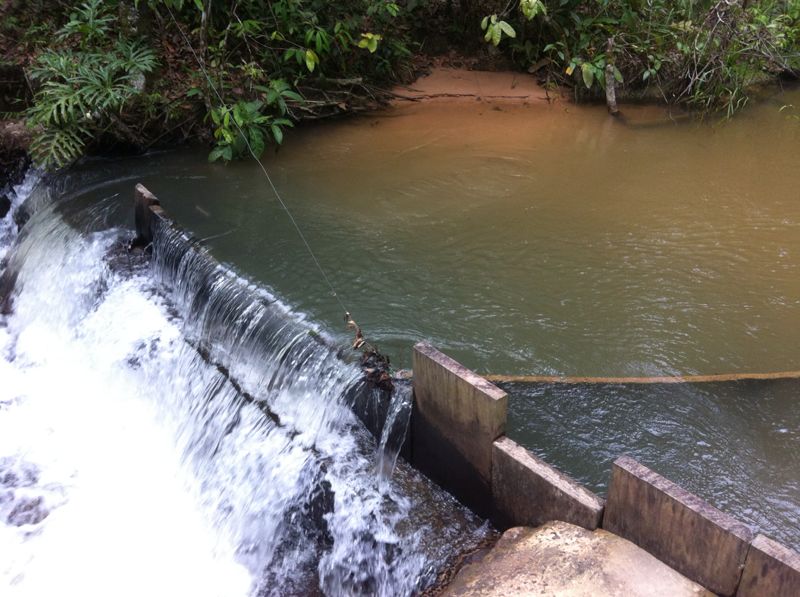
{"x":263,"y":169}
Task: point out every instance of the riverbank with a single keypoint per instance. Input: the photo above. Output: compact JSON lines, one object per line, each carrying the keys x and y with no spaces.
{"x":445,"y":83}
{"x":141,"y":76}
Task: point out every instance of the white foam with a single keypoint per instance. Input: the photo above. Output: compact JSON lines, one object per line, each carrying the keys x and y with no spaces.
{"x":157,"y":476}
{"x":18,"y":195}
{"x":124,"y":514}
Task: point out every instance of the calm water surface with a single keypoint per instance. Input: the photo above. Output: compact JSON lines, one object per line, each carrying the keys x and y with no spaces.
{"x":549,"y":239}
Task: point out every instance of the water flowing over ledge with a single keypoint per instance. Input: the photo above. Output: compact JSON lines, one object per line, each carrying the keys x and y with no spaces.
{"x":168,"y":427}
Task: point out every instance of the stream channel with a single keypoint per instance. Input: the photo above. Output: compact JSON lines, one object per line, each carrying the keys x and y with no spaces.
{"x":526,"y":239}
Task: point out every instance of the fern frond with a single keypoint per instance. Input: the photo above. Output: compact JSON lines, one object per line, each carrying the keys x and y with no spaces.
{"x":135,"y":58}
{"x":79,"y":92}
{"x":52,"y":65}
{"x":57,"y":147}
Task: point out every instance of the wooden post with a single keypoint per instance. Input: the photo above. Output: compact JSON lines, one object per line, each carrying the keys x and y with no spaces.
{"x":143,"y":200}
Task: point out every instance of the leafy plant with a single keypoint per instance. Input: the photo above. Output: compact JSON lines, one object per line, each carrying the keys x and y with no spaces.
{"x":80,"y":95}
{"x":370,"y":41}
{"x":531,"y":8}
{"x":297,"y":57}
{"x":495,"y":29}
{"x":706,"y":53}
{"x":81,"y":92}
{"x":247,"y":126}
{"x":90,"y":21}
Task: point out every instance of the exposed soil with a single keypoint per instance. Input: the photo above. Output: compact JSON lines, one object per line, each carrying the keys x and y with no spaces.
{"x":447,"y":83}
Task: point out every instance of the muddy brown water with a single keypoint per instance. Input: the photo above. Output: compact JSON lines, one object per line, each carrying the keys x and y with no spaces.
{"x":549,"y":239}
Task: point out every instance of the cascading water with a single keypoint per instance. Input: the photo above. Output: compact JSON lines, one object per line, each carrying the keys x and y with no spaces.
{"x":168,"y":428}
{"x":394,"y":431}
{"x":8,"y":228}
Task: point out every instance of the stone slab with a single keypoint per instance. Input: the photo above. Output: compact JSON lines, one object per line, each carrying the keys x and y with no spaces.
{"x":457,"y":416}
{"x":680,"y":529}
{"x":569,"y":561}
{"x":527,"y":491}
{"x":770,"y":569}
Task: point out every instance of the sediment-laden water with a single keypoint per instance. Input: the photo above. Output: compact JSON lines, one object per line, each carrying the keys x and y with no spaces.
{"x":169,"y":428}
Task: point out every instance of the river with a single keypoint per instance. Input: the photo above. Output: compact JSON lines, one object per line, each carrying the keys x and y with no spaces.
{"x":535,"y":238}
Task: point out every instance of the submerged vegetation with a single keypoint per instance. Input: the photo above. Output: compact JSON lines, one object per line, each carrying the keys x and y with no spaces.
{"x":136,"y":73}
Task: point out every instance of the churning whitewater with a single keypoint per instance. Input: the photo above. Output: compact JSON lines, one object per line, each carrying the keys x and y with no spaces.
{"x":167,"y":428}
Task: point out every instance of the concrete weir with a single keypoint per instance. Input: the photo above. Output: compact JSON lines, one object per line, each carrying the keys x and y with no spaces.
{"x":676,"y":526}
{"x":458,"y":415}
{"x":770,"y":569}
{"x":146,"y":207}
{"x":528,"y":491}
{"x":369,"y":397}
{"x":650,"y":537}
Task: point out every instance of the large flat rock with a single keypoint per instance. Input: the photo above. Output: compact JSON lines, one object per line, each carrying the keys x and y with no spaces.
{"x":566,"y":560}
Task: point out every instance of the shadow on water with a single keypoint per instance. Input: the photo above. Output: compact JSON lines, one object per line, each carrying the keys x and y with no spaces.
{"x":734,"y":444}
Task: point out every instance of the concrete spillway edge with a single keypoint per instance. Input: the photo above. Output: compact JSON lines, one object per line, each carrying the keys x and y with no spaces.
{"x":460,"y":417}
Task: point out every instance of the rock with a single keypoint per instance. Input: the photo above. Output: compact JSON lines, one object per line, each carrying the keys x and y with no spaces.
{"x":5,"y":206}
{"x":563,"y":559}
{"x":21,"y":216}
{"x":15,"y":139}
{"x":27,"y":511}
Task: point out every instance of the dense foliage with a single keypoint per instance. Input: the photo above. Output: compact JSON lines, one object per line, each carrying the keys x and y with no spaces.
{"x":139,"y":72}
{"x":705,"y":53}
{"x":135,"y":71}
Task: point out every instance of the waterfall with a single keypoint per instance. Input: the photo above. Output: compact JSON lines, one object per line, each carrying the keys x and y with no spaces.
{"x":168,"y":427}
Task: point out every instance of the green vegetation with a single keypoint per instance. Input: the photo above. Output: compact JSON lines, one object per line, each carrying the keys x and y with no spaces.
{"x":81,"y":90}
{"x":704,"y":53}
{"x":120,"y":72}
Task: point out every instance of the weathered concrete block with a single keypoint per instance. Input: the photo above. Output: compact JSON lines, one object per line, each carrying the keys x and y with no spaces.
{"x":770,"y":569}
{"x":527,"y":491}
{"x":143,"y":202}
{"x":457,"y":416}
{"x":680,"y":529}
